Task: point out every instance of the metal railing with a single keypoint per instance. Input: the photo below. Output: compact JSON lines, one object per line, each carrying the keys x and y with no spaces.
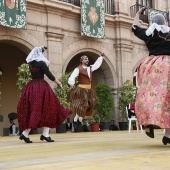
{"x":109,"y":5}
{"x":135,"y":8}
{"x":144,"y":17}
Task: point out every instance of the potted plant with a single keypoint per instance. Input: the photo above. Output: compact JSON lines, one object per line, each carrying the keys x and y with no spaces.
{"x":104,"y":105}
{"x":94,"y":123}
{"x":126,"y":93}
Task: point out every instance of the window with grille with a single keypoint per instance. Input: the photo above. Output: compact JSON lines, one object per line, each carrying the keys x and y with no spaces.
{"x":147,"y":3}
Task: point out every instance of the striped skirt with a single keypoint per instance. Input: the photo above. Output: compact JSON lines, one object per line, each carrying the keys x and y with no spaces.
{"x":153,"y":96}
{"x":83,"y":101}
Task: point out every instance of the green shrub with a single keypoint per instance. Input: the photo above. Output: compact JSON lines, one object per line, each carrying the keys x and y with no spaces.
{"x":126,"y":92}
{"x":63,"y":93}
{"x":24,"y":76}
{"x":105,"y":102}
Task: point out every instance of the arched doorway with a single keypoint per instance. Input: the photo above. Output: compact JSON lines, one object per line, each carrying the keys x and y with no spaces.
{"x":12,"y":55}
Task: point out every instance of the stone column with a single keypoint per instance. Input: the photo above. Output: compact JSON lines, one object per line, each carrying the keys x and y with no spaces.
{"x":55,"y":53}
{"x":55,"y":57}
{"x":123,"y":69}
{"x":124,"y":62}
{"x":121,"y":7}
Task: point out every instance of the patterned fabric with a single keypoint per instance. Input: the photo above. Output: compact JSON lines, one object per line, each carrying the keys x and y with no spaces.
{"x":93,"y":18}
{"x":153,"y":96}
{"x":83,"y":101}
{"x":38,"y":107}
{"x":13,"y":13}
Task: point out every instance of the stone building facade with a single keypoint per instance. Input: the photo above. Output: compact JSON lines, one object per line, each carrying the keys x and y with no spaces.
{"x":56,"y":24}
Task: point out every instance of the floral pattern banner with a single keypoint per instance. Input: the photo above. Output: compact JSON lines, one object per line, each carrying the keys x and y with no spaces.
{"x":93,"y":18}
{"x":13,"y":13}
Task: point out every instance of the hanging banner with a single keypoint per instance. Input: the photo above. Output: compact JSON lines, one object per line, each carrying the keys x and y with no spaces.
{"x":13,"y":13}
{"x":93,"y":18}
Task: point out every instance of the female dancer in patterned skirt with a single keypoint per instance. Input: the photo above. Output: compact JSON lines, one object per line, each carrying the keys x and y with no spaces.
{"x":38,"y":106}
{"x":152,"y":105}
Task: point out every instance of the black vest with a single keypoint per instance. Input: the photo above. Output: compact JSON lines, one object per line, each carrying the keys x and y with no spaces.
{"x":10,"y":129}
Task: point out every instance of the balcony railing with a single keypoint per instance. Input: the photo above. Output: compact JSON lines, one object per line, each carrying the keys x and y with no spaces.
{"x":144,"y":17}
{"x":109,"y":5}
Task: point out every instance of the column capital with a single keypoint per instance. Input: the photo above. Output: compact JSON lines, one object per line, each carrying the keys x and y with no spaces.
{"x":51,"y":36}
{"x":124,"y":47}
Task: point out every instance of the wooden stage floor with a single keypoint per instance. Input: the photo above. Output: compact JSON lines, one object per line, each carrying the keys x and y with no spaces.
{"x":87,"y":151}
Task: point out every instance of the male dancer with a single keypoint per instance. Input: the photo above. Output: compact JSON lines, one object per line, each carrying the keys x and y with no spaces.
{"x":83,"y":98}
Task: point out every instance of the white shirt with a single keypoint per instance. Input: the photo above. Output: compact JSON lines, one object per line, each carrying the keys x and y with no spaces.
{"x":95,"y":66}
{"x":13,"y":130}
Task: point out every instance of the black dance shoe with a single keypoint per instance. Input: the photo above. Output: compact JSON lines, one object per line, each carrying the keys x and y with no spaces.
{"x":27,"y":140}
{"x":48,"y":139}
{"x":149,"y":131}
{"x":165,"y":140}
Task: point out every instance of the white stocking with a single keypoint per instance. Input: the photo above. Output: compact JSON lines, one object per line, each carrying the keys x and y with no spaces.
{"x":167,"y":133}
{"x":26,"y":132}
{"x":46,"y":131}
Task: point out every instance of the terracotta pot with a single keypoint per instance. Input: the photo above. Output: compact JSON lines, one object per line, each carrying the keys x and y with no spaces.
{"x":94,"y":127}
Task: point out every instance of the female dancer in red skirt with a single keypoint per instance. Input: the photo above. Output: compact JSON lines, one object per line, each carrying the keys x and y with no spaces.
{"x":38,"y":106}
{"x":152,"y":105}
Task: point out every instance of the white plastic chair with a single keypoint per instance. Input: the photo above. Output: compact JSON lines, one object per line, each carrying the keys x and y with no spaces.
{"x":133,"y":118}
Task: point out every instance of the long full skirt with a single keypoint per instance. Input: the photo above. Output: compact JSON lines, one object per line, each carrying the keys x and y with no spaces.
{"x":39,"y":107}
{"x":153,"y":96}
{"x":83,"y":101}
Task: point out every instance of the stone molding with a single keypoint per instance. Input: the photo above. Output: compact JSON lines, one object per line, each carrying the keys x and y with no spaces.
{"x":52,"y":6}
{"x":51,"y":36}
{"x":124,"y":47}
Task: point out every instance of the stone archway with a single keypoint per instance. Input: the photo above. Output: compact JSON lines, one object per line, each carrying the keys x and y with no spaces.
{"x":94,"y":48}
{"x":12,"y":55}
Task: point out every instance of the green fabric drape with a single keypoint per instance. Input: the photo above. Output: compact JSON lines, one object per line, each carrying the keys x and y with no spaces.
{"x":13,"y":13}
{"x":93,"y":18}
